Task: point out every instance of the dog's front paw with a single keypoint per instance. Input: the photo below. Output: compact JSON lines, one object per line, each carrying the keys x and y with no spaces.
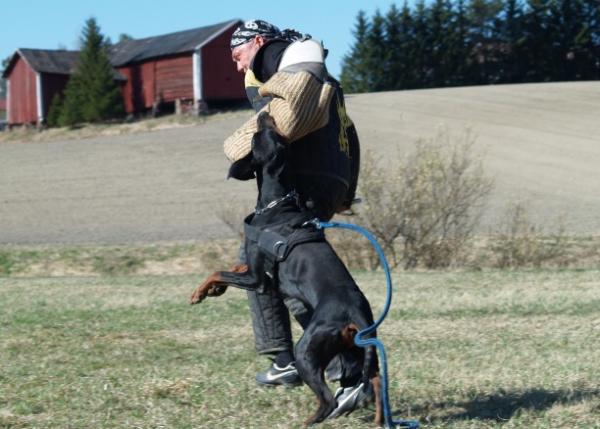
{"x":213,"y":286}
{"x":203,"y":291}
{"x":217,"y":291}
{"x":199,"y":294}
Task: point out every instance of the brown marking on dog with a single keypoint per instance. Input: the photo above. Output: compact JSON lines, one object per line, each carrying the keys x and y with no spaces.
{"x":309,"y":420}
{"x":214,"y":285}
{"x":376,"y":382}
{"x":348,"y":335}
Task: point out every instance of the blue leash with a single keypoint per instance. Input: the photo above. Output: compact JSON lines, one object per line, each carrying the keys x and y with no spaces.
{"x":387,"y":414}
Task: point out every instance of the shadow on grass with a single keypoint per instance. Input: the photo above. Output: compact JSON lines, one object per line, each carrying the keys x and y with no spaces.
{"x":500,"y":406}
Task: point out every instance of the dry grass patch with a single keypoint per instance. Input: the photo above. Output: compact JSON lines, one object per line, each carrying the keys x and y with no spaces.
{"x":111,"y":260}
{"x":30,"y":135}
{"x":497,"y":349}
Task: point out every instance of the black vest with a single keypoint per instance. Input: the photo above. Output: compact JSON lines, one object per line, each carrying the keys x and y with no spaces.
{"x":324,"y":152}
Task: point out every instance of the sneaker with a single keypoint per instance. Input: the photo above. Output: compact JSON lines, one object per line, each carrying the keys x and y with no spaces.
{"x":275,"y":376}
{"x":352,"y":398}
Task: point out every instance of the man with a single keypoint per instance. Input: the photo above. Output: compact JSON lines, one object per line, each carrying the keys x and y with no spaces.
{"x":325,"y":163}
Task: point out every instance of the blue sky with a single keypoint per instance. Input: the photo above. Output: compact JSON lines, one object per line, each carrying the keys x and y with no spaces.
{"x":55,"y":24}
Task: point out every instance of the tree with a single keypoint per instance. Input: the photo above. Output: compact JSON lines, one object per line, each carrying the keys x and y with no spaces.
{"x":511,"y":31}
{"x":378,"y":54}
{"x":2,"y":80}
{"x":55,"y":109}
{"x":123,"y":37}
{"x":475,"y":42}
{"x":483,"y":15}
{"x":355,"y":68}
{"x":91,"y":95}
{"x":421,"y":52}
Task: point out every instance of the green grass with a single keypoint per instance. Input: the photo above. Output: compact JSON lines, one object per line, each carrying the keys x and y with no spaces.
{"x":497,"y":349}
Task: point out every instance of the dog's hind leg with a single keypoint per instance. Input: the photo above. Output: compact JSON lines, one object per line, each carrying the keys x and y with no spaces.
{"x":313,"y":353}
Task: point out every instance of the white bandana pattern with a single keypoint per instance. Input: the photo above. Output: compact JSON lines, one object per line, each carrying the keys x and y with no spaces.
{"x":250,"y":29}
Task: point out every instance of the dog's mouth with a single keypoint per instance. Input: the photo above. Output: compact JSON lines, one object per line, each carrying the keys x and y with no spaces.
{"x":266,"y":121}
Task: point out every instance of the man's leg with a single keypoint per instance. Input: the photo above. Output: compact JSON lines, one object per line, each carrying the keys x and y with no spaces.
{"x":272,"y":335}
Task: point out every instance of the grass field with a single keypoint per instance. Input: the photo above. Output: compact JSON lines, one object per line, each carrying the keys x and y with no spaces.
{"x":510,"y":349}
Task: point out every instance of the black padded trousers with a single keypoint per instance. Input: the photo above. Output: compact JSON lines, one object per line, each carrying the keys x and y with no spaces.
{"x":270,"y":312}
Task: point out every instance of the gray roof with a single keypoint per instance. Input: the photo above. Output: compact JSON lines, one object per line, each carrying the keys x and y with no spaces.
{"x":130,"y":51}
{"x":50,"y":61}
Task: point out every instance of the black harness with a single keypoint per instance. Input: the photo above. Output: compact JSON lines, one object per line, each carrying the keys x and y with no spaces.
{"x":278,"y":241}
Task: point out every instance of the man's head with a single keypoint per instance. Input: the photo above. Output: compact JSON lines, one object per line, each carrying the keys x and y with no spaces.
{"x":247,"y":40}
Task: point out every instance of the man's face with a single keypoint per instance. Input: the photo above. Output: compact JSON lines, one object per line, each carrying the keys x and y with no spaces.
{"x":242,"y":55}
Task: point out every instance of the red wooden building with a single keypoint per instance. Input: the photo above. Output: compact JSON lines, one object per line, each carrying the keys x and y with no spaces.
{"x":192,"y":66}
{"x":33,"y":77}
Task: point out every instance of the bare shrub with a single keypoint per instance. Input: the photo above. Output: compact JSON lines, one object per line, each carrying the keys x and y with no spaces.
{"x":424,"y":210}
{"x":233,"y":215}
{"x":219,"y":254}
{"x":379,"y":211}
{"x":519,"y":242}
{"x":354,"y":250}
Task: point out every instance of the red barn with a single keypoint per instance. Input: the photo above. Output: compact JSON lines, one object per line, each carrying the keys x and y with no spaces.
{"x":190,"y":67}
{"x":33,"y":77}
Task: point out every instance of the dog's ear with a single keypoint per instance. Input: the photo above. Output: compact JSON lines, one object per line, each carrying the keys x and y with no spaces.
{"x":264,"y":121}
{"x":277,"y":162}
{"x":243,"y":169}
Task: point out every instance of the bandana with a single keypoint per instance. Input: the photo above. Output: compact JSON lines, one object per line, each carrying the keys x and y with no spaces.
{"x":250,"y":29}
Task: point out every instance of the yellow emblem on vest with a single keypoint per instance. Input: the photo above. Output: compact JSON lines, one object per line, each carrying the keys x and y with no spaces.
{"x":344,"y":124}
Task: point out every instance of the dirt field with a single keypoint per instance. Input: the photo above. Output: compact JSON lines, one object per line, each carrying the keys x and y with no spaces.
{"x":543,"y":142}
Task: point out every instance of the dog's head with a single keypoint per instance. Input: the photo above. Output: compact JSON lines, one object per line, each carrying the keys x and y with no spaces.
{"x":268,"y":153}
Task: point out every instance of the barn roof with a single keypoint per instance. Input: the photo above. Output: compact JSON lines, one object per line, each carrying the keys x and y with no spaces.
{"x":45,"y":61}
{"x":130,"y":51}
{"x":49,"y":61}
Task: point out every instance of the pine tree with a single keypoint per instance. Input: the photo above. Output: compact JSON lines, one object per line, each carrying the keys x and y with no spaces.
{"x":2,"y":80}
{"x":355,"y":68}
{"x":537,"y":46}
{"x":441,"y":61}
{"x":590,"y":69}
{"x":55,"y":109}
{"x":393,"y":43}
{"x":510,"y":55}
{"x":475,"y":42}
{"x":378,"y":55}
{"x":421,"y":52}
{"x":91,"y":95}
{"x":483,"y":15}
{"x":410,"y":74}
{"x":71,"y":110}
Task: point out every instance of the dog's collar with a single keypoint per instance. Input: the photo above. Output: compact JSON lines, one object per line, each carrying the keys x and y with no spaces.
{"x":275,"y":202}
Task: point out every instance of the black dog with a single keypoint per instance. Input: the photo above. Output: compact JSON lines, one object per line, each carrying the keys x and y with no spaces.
{"x":309,"y":271}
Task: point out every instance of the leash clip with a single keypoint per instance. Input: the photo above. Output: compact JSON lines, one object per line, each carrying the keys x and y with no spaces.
{"x":316,"y":222}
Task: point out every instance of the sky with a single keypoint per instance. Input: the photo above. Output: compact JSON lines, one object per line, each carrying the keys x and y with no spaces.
{"x":58,"y":24}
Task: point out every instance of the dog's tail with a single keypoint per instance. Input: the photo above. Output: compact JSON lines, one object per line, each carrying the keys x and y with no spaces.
{"x":372,"y":380}
{"x":370,"y":367}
